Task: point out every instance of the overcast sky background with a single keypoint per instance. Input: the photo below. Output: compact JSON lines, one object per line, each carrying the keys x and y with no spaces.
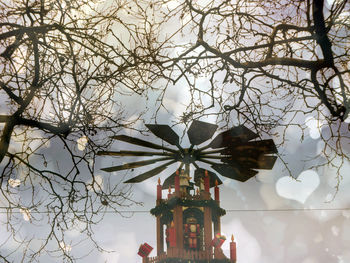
{"x":272,"y":236}
{"x":304,"y":235}
{"x":297,"y":220}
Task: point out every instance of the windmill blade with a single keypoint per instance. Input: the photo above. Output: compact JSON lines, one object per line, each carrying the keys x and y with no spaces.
{"x":210,"y":156}
{"x":234,"y":173}
{"x":235,"y":155}
{"x":199,"y":173}
{"x":132,"y":153}
{"x":134,"y":165}
{"x":200,"y":131}
{"x":263,"y":162}
{"x":140,"y":142}
{"x":164,"y":132}
{"x":150,"y":173}
{"x":263,"y":147}
{"x":232,"y":136}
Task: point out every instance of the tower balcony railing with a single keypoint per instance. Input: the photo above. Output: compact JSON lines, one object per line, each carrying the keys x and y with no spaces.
{"x":181,"y":254}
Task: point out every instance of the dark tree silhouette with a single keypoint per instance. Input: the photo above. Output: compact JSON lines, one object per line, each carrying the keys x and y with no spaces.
{"x":300,"y":48}
{"x":269,"y":64}
{"x":63,"y":66}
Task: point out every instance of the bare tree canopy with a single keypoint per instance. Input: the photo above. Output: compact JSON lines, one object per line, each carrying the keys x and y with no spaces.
{"x":272,"y":64}
{"x":66,"y":67}
{"x":298,"y":48}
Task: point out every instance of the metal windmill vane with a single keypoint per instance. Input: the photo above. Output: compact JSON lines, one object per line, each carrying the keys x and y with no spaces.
{"x":234,"y":153}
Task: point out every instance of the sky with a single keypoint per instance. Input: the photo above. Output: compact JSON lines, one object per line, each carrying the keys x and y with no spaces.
{"x":274,"y":217}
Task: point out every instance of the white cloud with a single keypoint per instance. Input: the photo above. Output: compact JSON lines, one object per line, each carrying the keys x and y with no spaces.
{"x":14,"y":182}
{"x":335,"y":230}
{"x":81,"y":142}
{"x":314,"y":127}
{"x":320,"y":147}
{"x":276,"y":236}
{"x":126,"y":247}
{"x":345,"y":232}
{"x":298,"y":248}
{"x":270,"y":197}
{"x":172,"y":4}
{"x":248,"y":248}
{"x":310,"y":260}
{"x":331,"y":171}
{"x":29,"y":141}
{"x":346,"y":214}
{"x":293,"y":135}
{"x":323,"y":215}
{"x":66,"y":247}
{"x":6,"y":242}
{"x":110,"y":257}
{"x":25,"y":213}
{"x":318,"y":238}
{"x":98,"y":184}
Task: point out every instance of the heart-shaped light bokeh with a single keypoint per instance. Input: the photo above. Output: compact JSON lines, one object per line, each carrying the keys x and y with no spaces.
{"x":300,"y":189}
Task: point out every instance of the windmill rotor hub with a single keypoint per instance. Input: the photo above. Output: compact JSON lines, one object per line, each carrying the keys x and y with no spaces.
{"x":188,"y":157}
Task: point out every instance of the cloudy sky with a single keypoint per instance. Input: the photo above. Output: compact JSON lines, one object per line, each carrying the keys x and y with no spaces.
{"x":273,"y":217}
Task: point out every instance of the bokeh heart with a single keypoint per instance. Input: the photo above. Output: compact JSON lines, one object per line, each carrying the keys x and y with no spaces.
{"x":300,"y":189}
